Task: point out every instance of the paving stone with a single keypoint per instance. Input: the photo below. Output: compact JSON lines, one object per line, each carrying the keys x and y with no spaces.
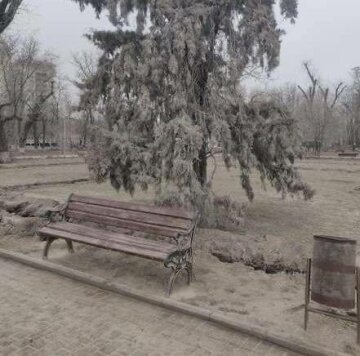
{"x":45,"y":314}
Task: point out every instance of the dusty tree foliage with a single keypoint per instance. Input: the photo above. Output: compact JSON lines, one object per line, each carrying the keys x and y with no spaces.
{"x":8,"y":10}
{"x":172,"y":90}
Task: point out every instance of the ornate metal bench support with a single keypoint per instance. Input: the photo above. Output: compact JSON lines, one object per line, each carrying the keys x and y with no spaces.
{"x":182,"y":259}
{"x":175,"y":272}
{"x":49,"y":241}
{"x":70,"y":246}
{"x":190,"y":273}
{"x":179,"y":261}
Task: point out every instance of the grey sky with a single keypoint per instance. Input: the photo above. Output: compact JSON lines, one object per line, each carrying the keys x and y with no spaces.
{"x":326,"y":33}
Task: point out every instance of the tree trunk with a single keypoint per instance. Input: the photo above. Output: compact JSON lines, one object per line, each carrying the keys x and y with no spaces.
{"x":3,"y":138}
{"x":85,"y":132}
{"x":36,"y":135}
{"x":19,"y":126}
{"x":4,"y":149}
{"x":357,"y":135}
{"x":43,"y":133}
{"x":25,"y":133}
{"x":200,"y":166}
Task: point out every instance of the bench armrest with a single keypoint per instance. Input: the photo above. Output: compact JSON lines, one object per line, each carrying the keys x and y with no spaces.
{"x":185,"y":239}
{"x":57,"y":213}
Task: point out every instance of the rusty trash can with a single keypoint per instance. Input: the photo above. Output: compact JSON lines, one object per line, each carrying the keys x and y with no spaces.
{"x":332,"y":279}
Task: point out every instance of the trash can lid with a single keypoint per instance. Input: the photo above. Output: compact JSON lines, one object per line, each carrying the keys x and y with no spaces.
{"x":335,"y":238}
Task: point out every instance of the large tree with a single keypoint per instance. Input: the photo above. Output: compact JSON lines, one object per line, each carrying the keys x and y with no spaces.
{"x":171,"y":87}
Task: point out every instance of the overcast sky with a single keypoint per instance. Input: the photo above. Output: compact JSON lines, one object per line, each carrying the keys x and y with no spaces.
{"x":326,"y":33}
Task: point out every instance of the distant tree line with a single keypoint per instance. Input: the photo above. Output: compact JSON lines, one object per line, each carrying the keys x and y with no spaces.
{"x":27,"y":85}
{"x":328,"y":117}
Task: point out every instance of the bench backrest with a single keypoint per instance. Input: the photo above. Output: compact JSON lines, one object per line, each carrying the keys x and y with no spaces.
{"x":149,"y":219}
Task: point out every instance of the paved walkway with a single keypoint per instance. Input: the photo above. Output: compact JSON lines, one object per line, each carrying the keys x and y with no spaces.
{"x":45,"y":314}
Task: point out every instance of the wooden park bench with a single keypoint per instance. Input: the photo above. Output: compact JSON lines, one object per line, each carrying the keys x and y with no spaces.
{"x":348,"y":154}
{"x":156,"y":233}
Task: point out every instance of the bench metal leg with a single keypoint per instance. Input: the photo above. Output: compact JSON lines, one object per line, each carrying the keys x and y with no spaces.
{"x":190,"y":273}
{"x":307,"y":293}
{"x":175,"y":272}
{"x":358,"y":303}
{"x":179,"y":261}
{"x":70,"y":246}
{"x":49,"y":241}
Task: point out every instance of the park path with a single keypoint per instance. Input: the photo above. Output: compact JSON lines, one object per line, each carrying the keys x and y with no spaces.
{"x":45,"y":314}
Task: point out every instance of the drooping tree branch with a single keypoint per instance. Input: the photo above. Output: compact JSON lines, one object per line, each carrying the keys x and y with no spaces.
{"x":338,"y":93}
{"x":8,"y":10}
{"x":98,"y":5}
{"x":307,"y":98}
{"x":2,"y":106}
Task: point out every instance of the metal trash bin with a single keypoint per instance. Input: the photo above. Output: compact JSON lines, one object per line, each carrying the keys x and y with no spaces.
{"x":333,"y":272}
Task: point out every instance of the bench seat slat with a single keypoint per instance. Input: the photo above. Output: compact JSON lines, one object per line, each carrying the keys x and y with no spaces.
{"x":109,"y":245}
{"x":129,"y":215}
{"x":135,"y":241}
{"x":122,"y":223}
{"x":172,"y":212}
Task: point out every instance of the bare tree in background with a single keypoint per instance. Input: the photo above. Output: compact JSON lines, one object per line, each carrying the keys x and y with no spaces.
{"x":8,"y":10}
{"x":86,"y":66}
{"x":320,"y":106}
{"x":25,"y":86}
{"x":35,"y":115}
{"x":351,"y":103}
{"x":289,"y":97}
{"x":17,"y":67}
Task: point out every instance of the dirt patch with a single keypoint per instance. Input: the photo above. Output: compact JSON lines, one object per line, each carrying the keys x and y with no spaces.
{"x":22,"y":217}
{"x":29,"y":208}
{"x":12,"y":224}
{"x":266,"y":253}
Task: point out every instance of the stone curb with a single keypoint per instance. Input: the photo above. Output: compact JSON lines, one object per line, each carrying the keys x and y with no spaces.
{"x":44,"y":184}
{"x":17,"y":158}
{"x":333,"y":158}
{"x":218,"y":318}
{"x":11,"y":166}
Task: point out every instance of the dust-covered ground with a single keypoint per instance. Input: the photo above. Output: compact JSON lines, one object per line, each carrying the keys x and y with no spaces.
{"x":276,"y":237}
